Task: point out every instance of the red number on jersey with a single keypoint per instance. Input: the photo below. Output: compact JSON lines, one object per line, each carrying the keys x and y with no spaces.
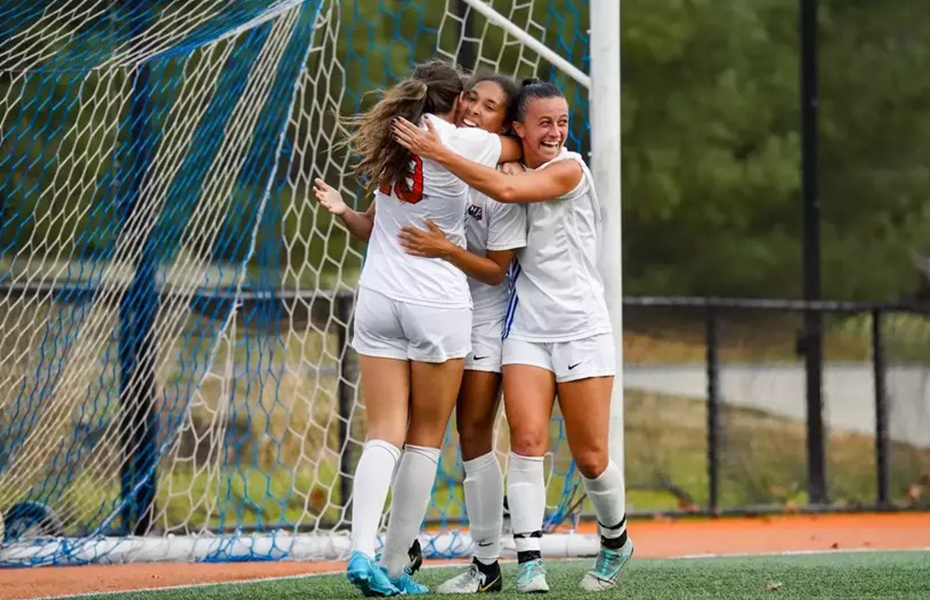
{"x":414,"y":193}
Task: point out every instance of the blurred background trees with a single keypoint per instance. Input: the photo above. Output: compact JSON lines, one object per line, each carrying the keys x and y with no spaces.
{"x":711,"y":147}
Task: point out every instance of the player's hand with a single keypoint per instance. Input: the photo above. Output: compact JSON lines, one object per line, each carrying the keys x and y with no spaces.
{"x":511,"y":168}
{"x":329,"y":197}
{"x":423,"y":143}
{"x":431,"y":243}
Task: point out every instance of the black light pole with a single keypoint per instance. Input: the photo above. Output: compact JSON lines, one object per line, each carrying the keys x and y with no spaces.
{"x":812,"y":345}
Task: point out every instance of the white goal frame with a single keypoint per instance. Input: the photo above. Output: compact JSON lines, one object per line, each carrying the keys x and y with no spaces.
{"x":604,"y":89}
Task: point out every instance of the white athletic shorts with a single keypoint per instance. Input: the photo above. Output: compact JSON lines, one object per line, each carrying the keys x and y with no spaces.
{"x":388,"y":328}
{"x":578,"y":359}
{"x":486,"y":347}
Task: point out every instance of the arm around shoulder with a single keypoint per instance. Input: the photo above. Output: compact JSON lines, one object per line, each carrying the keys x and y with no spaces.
{"x":511,"y":149}
{"x":555,"y":180}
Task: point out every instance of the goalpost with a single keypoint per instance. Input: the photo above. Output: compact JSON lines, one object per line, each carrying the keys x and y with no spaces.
{"x":175,"y":310}
{"x":605,"y":166}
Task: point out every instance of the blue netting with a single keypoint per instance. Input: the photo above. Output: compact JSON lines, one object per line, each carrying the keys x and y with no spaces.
{"x":56,"y":35}
{"x":114,"y":324}
{"x":568,"y":24}
{"x":254,"y":427}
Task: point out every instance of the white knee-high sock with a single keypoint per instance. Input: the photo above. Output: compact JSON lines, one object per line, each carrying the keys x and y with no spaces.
{"x":409,"y":501}
{"x":369,"y":491}
{"x":607,"y":494}
{"x":526,"y":496}
{"x":484,"y":502}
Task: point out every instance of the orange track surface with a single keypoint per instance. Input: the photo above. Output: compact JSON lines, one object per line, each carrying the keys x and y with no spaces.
{"x":654,"y":539}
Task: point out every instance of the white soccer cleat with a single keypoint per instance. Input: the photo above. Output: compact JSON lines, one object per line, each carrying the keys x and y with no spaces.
{"x":531,"y":577}
{"x":606,"y":570}
{"x":473,"y":581}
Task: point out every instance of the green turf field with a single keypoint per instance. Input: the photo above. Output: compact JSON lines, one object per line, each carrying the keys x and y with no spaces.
{"x":842,"y":576}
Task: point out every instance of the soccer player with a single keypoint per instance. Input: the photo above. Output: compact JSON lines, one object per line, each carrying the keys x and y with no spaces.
{"x":412,"y":318}
{"x":558,"y":338}
{"x":492,"y":230}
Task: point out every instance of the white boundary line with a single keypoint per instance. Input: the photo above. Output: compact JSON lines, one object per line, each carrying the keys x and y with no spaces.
{"x":451,"y":564}
{"x":185,"y":586}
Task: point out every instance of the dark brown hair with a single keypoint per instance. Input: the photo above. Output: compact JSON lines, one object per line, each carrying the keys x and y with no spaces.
{"x":532,"y":89}
{"x":433,"y":88}
{"x":510,"y":87}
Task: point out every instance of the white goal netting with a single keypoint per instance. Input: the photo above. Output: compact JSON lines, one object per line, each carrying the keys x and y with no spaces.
{"x":175,"y":381}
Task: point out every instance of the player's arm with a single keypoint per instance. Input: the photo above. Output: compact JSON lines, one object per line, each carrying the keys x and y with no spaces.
{"x":359,"y":224}
{"x":555,"y":180}
{"x":513,"y":167}
{"x":432,"y":243}
{"x":511,"y":150}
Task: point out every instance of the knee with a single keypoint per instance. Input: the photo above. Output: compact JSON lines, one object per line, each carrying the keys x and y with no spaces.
{"x":591,"y":462}
{"x":529,"y":442}
{"x":476,"y":439}
{"x":425,"y":436}
{"x":426,"y":429}
{"x":391,"y":433}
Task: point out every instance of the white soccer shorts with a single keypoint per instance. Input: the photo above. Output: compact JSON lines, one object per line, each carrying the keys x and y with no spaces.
{"x":593,"y":356}
{"x":486,"y":347}
{"x":388,"y":328}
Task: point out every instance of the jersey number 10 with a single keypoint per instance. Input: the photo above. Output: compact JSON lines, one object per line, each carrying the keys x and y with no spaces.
{"x":413,"y":194}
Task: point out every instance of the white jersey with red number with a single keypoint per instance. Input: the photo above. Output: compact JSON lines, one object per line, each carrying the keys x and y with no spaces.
{"x":431,"y":193}
{"x":492,"y":225}
{"x":558,"y":292}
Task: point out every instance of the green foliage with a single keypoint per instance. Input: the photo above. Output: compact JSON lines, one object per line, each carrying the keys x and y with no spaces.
{"x":711,"y":159}
{"x":762,"y":459}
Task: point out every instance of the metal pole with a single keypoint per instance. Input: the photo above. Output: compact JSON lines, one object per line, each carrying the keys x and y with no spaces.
{"x":813,"y":335}
{"x":713,"y":410}
{"x":605,"y":165}
{"x":604,"y":9}
{"x":881,"y":410}
{"x":138,"y":309}
{"x":347,"y":375}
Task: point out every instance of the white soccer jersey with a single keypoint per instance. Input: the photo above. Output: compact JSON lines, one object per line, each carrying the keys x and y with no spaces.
{"x":434,"y":194}
{"x":492,"y":225}
{"x":558,"y":292}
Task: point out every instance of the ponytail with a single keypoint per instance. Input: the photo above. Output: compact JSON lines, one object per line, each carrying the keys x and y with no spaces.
{"x":433,"y":89}
{"x":383,"y":160}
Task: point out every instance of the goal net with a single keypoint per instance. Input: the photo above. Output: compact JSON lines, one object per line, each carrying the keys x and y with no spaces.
{"x":175,"y":378}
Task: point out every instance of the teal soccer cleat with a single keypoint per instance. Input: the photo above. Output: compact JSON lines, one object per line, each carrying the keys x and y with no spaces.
{"x":531,"y":577}
{"x":407,"y":585}
{"x":368,"y":577}
{"x":606,"y":570}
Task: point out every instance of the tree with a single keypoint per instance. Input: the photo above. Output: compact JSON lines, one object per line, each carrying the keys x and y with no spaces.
{"x":711,"y":161}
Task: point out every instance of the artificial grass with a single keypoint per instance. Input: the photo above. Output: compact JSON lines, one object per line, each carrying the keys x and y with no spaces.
{"x":889,"y":575}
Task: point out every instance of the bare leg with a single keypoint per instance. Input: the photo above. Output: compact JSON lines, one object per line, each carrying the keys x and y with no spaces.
{"x":433,"y":392}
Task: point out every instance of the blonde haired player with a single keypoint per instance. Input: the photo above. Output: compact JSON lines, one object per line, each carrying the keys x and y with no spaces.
{"x":558,"y":338}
